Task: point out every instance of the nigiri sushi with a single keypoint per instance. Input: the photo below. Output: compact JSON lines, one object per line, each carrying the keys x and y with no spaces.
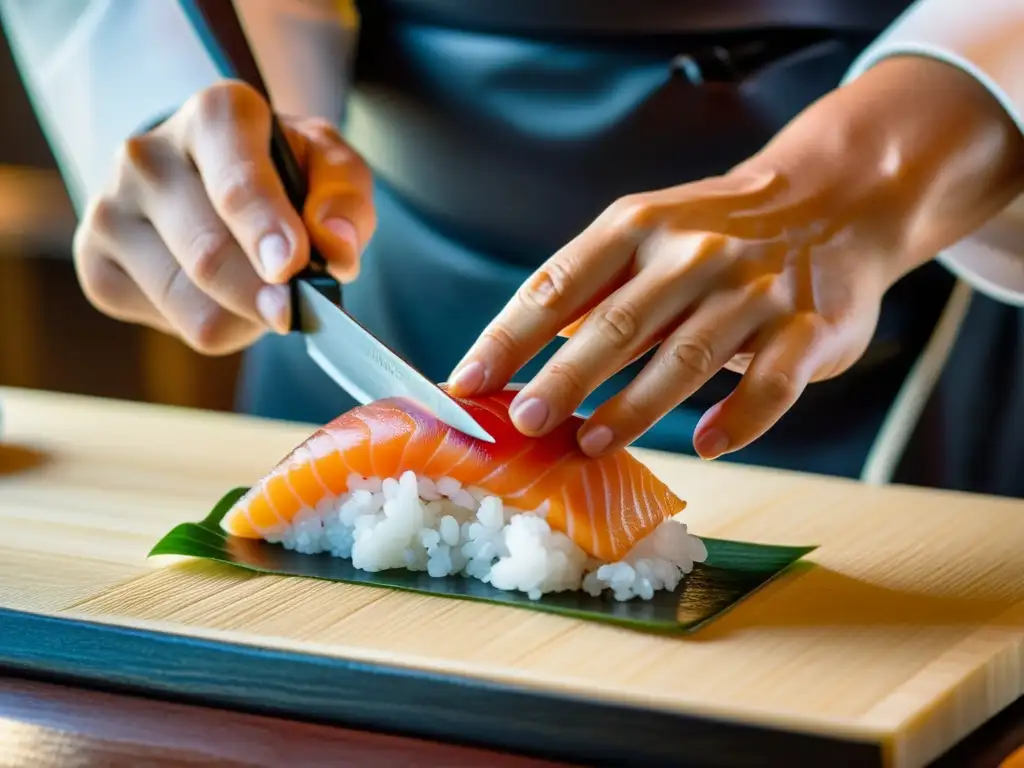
{"x":387,"y":485}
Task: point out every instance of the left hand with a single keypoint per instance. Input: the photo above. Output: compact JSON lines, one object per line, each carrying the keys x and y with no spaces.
{"x":742,"y":271}
{"x":775,"y":270}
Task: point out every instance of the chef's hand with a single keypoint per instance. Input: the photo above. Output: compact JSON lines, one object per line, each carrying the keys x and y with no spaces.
{"x":194,"y":234}
{"x":775,"y":270}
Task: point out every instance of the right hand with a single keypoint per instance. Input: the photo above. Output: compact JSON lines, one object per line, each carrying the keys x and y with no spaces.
{"x":195,"y":236}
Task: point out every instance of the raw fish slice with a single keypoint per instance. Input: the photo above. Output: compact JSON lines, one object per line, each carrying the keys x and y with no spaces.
{"x":604,"y":505}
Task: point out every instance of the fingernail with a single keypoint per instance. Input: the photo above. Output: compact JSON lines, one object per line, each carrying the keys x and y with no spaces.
{"x":530,"y":415}
{"x":711,"y":444}
{"x":274,"y":253}
{"x":468,"y":380}
{"x":272,"y":302}
{"x":343,"y":229}
{"x":596,"y":440}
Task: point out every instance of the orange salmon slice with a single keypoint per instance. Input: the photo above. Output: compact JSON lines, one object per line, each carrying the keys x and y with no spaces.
{"x":605,"y":505}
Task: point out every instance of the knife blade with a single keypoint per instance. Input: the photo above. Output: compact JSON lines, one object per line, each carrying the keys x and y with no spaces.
{"x":353,"y":357}
{"x":365,"y":367}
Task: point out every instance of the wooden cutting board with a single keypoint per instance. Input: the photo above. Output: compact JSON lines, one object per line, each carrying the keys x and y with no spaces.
{"x":905,"y":633}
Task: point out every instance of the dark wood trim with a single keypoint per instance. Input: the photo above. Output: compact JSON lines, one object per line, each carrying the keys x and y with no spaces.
{"x":55,"y":724}
{"x":401,"y":701}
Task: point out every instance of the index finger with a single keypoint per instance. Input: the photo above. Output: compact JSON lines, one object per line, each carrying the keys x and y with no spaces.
{"x":564,"y":287}
{"x":228,"y":138}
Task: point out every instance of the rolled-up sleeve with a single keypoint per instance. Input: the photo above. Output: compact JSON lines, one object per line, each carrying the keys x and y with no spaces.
{"x":985,"y":38}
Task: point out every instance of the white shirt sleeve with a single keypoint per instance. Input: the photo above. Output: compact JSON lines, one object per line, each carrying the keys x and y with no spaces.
{"x":985,"y":38}
{"x":98,"y":71}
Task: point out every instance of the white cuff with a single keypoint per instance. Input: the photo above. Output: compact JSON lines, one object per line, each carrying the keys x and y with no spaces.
{"x":984,"y":38}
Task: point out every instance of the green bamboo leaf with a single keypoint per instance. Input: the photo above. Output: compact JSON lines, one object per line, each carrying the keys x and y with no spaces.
{"x":733,"y":571}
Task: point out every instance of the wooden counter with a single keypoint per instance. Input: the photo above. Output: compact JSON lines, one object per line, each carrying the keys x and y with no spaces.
{"x":903,"y":633}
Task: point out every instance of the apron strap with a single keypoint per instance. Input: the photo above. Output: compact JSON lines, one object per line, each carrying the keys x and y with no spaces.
{"x":905,"y":412}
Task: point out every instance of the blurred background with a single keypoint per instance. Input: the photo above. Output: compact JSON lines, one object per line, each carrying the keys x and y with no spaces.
{"x":50,"y":336}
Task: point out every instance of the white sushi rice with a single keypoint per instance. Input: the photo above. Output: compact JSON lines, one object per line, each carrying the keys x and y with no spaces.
{"x":445,"y":529}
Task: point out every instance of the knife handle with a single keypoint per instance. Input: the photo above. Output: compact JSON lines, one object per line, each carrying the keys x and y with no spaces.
{"x":221,"y":30}
{"x":294,"y":181}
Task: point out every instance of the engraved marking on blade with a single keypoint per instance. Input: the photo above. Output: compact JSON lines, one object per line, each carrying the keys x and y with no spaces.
{"x":386,"y":364}
{"x":337,"y":343}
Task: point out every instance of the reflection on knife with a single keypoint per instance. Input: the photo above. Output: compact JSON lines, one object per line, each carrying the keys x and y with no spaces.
{"x":364,"y":367}
{"x":353,"y":357}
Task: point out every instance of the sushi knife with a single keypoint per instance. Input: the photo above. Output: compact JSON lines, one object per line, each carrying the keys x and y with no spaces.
{"x":351,"y":355}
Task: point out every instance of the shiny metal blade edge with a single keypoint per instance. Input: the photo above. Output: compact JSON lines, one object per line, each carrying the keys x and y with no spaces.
{"x":366,"y":368}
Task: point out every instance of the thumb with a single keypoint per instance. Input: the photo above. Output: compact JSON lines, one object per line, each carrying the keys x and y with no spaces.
{"x":339,"y":212}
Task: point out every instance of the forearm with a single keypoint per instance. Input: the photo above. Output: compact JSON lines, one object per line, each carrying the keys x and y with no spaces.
{"x":305,"y":50}
{"x":985,"y":39}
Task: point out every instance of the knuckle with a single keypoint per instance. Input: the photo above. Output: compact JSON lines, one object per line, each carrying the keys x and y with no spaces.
{"x":500,"y":337}
{"x":226,"y":100}
{"x":761,"y":287}
{"x":345,"y":168}
{"x":172,"y":284}
{"x":568,"y":375}
{"x":143,"y":155}
{"x":82,"y":242}
{"x":777,"y":387}
{"x":632,"y":212}
{"x":549,"y":287}
{"x":207,"y":254}
{"x":139,"y":160}
{"x":359,"y":174}
{"x":321,"y":130}
{"x":340,"y":157}
{"x":633,"y":413}
{"x":101,"y":281}
{"x":100,"y":278}
{"x":102,"y":221}
{"x":766,"y":293}
{"x":694,"y":355}
{"x":616,"y":324}
{"x":739,"y":363}
{"x":197,"y":319}
{"x":236,"y":187}
{"x":204,"y":330}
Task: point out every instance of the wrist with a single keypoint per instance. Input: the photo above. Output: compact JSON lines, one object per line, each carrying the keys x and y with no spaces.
{"x":910,"y":157}
{"x":153,"y":123}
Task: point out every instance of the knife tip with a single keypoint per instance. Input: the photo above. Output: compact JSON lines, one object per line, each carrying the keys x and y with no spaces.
{"x":481,"y":434}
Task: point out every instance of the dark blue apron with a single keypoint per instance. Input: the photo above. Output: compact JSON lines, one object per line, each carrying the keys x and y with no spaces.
{"x":495,"y":137}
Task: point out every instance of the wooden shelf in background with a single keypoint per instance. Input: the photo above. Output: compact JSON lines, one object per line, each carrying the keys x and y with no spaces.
{"x":36,"y":214}
{"x":52,"y":338}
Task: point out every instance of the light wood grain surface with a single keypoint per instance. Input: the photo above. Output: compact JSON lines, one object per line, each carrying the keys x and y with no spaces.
{"x":908,"y":631}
